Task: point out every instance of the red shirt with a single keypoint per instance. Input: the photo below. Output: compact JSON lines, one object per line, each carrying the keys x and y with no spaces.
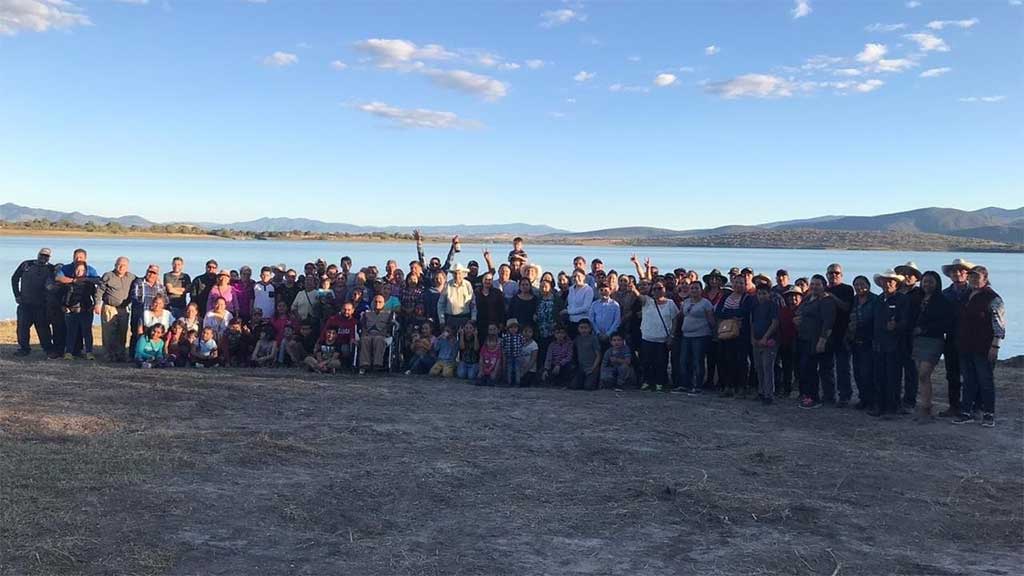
{"x":346,"y":328}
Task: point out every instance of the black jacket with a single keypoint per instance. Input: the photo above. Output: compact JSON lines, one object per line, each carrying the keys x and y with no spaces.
{"x":934,"y":317}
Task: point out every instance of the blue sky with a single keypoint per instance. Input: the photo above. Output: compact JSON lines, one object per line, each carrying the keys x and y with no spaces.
{"x":577,"y":115}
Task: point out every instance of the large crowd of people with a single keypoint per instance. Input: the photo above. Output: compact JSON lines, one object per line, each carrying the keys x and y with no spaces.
{"x":741,"y":334}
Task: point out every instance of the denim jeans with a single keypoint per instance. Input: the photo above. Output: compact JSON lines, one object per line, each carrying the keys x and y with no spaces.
{"x":887,"y":369}
{"x":835,"y":376}
{"x":692,"y":361}
{"x":79,"y":325}
{"x":813,"y":366}
{"x":909,"y":375}
{"x":732,"y":364}
{"x":467,"y":371}
{"x":952,"y":357}
{"x":764,"y":363}
{"x":863,"y":373}
{"x":30,"y":315}
{"x":979,"y":383}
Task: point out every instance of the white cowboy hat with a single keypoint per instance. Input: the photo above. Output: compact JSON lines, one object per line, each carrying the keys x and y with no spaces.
{"x":907,"y":269}
{"x":459,"y":268}
{"x":947,"y":269}
{"x":888,"y":275}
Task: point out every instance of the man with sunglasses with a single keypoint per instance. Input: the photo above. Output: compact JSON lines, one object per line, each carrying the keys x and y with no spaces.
{"x":837,"y":363}
{"x":202,"y":284}
{"x":144,"y":290}
{"x":29,"y":285}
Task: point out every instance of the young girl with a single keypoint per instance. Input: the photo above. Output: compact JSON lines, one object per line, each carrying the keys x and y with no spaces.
{"x":422,"y":345}
{"x":469,"y":348}
{"x":204,"y":351}
{"x":264,"y":354}
{"x":176,"y":345}
{"x":149,"y":350}
{"x":192,"y":319}
{"x":527,"y":360}
{"x":490,"y":362}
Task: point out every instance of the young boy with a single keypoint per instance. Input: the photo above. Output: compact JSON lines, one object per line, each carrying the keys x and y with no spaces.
{"x":764,"y":322}
{"x":469,"y":352}
{"x":527,"y":359}
{"x":617,"y":367}
{"x":301,"y":345}
{"x":558,"y":365}
{"x":490,"y":362}
{"x":588,"y":355}
{"x":446,"y":350}
{"x":511,"y":348}
{"x":326,"y":357}
{"x":236,"y":343}
{"x":517,"y":254}
{"x":204,"y":351}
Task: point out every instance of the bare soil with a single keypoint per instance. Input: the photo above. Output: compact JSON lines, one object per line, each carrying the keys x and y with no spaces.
{"x":112,"y":470}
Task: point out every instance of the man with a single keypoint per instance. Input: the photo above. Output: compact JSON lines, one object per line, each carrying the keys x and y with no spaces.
{"x":781,"y":282}
{"x":144,"y":290}
{"x":605,"y":316}
{"x":264,"y":293}
{"x":981,"y":330}
{"x":435,"y":263}
{"x":456,"y":305}
{"x":915,"y":294}
{"x":113,"y":295}
{"x":306,"y":305}
{"x":957,"y":293}
{"x":748,"y":278}
{"x":891,"y":324}
{"x":376,"y":327}
{"x":177,"y":285}
{"x":837,"y":364}
{"x":202,"y":285}
{"x":596,"y":266}
{"x":66,"y":273}
{"x":29,"y":285}
{"x":55,"y":305}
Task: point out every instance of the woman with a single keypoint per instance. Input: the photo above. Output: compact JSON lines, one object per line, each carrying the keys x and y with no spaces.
{"x":546,"y":317}
{"x":192,"y":318}
{"x":732,"y":329}
{"x":79,"y":301}
{"x":218,"y":318}
{"x":243,"y":293}
{"x":490,"y":304}
{"x":656,"y":319}
{"x":788,"y":367}
{"x":224,"y":291}
{"x":523,"y":306}
{"x":578,"y":301}
{"x":157,"y":314}
{"x":282,"y":319}
{"x":933,"y":320}
{"x":628,"y":307}
{"x":713,"y":282}
{"x":859,"y":335}
{"x":815,"y":323}
{"x":698,"y":321}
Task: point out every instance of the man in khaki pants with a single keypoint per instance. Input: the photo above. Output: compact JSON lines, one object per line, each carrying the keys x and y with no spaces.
{"x":113,"y":295}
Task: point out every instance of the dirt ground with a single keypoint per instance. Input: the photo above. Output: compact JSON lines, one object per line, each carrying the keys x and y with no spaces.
{"x":111,"y":470}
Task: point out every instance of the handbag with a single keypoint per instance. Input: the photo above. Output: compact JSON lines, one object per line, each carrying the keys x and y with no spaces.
{"x":728,"y":329}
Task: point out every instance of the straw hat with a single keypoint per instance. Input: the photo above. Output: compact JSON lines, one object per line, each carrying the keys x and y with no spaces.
{"x":458,"y":267}
{"x":793,"y":290}
{"x":887,"y":275}
{"x":908,"y":269}
{"x":948,"y":269}
{"x":715,"y":273}
{"x":761,"y":279}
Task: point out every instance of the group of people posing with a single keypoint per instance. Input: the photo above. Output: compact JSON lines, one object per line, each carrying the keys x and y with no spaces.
{"x":741,"y":334}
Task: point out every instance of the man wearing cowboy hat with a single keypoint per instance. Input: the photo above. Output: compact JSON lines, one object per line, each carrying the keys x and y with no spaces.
{"x":456,"y":305}
{"x":891,"y":325}
{"x":957,"y":294}
{"x":915,"y":294}
{"x":29,"y":285}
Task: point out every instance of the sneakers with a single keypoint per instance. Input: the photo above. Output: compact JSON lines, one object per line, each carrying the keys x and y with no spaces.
{"x":645,"y":386}
{"x":657,"y":388}
{"x":678,"y":390}
{"x":68,"y":356}
{"x":90,"y":356}
{"x":988,"y":420}
{"x":693,"y":392}
{"x":146,"y":365}
{"x":967,"y":419}
{"x":362,"y":371}
{"x":951,"y":412}
{"x":808,"y":403}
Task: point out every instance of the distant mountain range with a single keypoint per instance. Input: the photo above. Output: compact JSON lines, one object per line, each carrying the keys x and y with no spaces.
{"x":994,"y":224}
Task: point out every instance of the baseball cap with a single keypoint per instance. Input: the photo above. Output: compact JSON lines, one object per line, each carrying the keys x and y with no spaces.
{"x":45,"y":252}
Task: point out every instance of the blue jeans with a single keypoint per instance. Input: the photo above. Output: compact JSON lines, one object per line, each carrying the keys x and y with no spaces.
{"x":467,"y":371}
{"x":836,"y":375}
{"x":30,"y":315}
{"x":979,"y":383}
{"x":692,"y":361}
{"x":421,"y":364}
{"x":79,"y":325}
{"x":887,"y":366}
{"x":864,"y":373}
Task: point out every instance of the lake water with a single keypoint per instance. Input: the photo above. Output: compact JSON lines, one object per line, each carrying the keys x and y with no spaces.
{"x":1005,"y":269}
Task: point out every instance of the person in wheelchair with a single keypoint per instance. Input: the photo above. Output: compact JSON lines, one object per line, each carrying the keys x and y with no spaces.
{"x":375,"y":332}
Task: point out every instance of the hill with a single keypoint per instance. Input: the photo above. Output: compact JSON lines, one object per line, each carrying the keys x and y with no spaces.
{"x":10,"y":212}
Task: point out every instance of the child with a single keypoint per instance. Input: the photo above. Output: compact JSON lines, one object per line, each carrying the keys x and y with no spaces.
{"x":527,"y":360}
{"x":511,"y":348}
{"x":326,"y":357}
{"x":558,"y":366}
{"x":204,"y":351}
{"x":588,"y":355}
{"x":301,"y":345}
{"x":617,"y":368}
{"x":235,"y":343}
{"x":445,"y":350}
{"x":764,"y":322}
{"x":490,"y":362}
{"x":176,"y":345}
{"x":517,"y":256}
{"x":149,"y":350}
{"x":469,"y":349}
{"x":422,"y":347}
{"x":264,"y":354}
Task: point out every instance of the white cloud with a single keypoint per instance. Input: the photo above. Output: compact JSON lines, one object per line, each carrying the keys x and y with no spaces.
{"x":872,"y":53}
{"x":1016,"y":2}
{"x":338,"y":65}
{"x":934,"y":72}
{"x":495,"y":61}
{"x":712,"y":50}
{"x":869,"y":85}
{"x":395,"y":52}
{"x":820,"y":62}
{"x":280,"y":59}
{"x":570,"y":100}
{"x":138,"y":2}
{"x":624,"y":88}
{"x":879,"y":27}
{"x":801,"y":8}
{"x":664,"y":79}
{"x":552,"y":18}
{"x":687,"y":69}
{"x":988,"y":99}
{"x":633,"y":58}
{"x":39,"y":16}
{"x":912,"y":4}
{"x":752,"y":86}
{"x":847,"y":72}
{"x":940,"y":24}
{"x":535,"y":64}
{"x":417,"y":117}
{"x":894,"y":65}
{"x":583,"y":76}
{"x":484,"y":86}
{"x":928,"y":42}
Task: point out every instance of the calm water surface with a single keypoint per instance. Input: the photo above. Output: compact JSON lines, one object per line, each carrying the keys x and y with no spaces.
{"x":1005,"y":269}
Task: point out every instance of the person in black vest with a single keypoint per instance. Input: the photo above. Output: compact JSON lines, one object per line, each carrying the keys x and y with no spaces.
{"x":911,"y":277}
{"x":957,"y":293}
{"x":888,"y":340}
{"x":982,"y":328}
{"x":29,"y":285}
{"x":201,"y":286}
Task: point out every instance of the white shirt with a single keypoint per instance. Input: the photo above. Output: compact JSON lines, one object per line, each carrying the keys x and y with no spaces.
{"x":652,"y":328}
{"x":263,"y":298}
